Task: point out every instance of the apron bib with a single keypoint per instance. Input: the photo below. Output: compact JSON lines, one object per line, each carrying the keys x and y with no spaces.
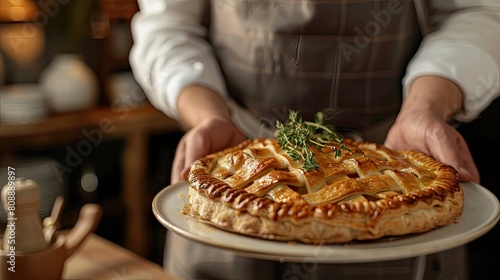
{"x":345,"y":58}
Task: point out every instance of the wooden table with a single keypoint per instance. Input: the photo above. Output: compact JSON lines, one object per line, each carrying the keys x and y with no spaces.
{"x":89,"y":128}
{"x":99,"y":258}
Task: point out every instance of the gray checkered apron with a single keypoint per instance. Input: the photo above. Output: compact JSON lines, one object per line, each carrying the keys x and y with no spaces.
{"x":345,"y":58}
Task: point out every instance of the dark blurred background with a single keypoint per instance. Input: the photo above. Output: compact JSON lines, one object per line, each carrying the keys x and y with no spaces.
{"x":70,"y":105}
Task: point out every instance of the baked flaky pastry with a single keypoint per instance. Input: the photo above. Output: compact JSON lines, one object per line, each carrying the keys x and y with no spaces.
{"x":366,"y":193}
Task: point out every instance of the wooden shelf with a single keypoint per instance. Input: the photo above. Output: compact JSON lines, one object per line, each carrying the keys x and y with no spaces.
{"x":61,"y":128}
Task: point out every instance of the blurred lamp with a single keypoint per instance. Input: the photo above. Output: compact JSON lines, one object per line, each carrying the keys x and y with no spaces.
{"x":17,"y":10}
{"x":21,"y":30}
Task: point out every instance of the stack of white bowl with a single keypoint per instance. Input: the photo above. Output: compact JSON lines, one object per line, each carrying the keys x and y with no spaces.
{"x":22,"y":103}
{"x":46,"y":172}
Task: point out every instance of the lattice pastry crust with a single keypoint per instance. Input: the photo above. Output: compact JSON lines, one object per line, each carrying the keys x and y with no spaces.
{"x":368,"y":192}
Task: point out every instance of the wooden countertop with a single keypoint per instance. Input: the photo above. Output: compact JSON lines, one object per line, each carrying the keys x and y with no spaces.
{"x":99,"y":258}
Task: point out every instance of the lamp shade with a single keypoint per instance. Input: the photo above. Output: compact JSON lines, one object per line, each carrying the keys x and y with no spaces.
{"x":17,"y":10}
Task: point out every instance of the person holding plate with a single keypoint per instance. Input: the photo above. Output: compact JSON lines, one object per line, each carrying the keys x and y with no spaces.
{"x":399,"y":73}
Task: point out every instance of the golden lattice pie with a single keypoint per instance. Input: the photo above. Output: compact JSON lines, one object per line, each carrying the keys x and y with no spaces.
{"x":366,"y":192}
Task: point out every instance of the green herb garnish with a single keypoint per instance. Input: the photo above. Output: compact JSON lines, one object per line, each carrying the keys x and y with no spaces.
{"x":297,"y":136}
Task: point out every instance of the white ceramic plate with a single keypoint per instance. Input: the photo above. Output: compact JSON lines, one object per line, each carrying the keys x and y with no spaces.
{"x":481,"y":213}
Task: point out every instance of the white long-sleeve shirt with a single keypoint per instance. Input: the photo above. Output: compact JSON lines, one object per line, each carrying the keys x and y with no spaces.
{"x":463,"y":44}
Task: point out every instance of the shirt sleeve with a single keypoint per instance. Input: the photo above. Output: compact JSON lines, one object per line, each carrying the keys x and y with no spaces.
{"x":464,"y":48}
{"x":170,"y":51}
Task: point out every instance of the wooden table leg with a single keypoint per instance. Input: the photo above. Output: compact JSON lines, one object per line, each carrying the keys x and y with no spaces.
{"x":135,"y":187}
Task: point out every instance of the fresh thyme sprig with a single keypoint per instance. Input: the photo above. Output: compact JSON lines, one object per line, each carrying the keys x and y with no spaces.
{"x":297,"y":136}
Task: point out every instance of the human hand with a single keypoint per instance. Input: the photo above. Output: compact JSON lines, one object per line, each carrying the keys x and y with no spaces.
{"x":427,"y":133}
{"x":211,"y":135}
{"x":421,"y":125}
